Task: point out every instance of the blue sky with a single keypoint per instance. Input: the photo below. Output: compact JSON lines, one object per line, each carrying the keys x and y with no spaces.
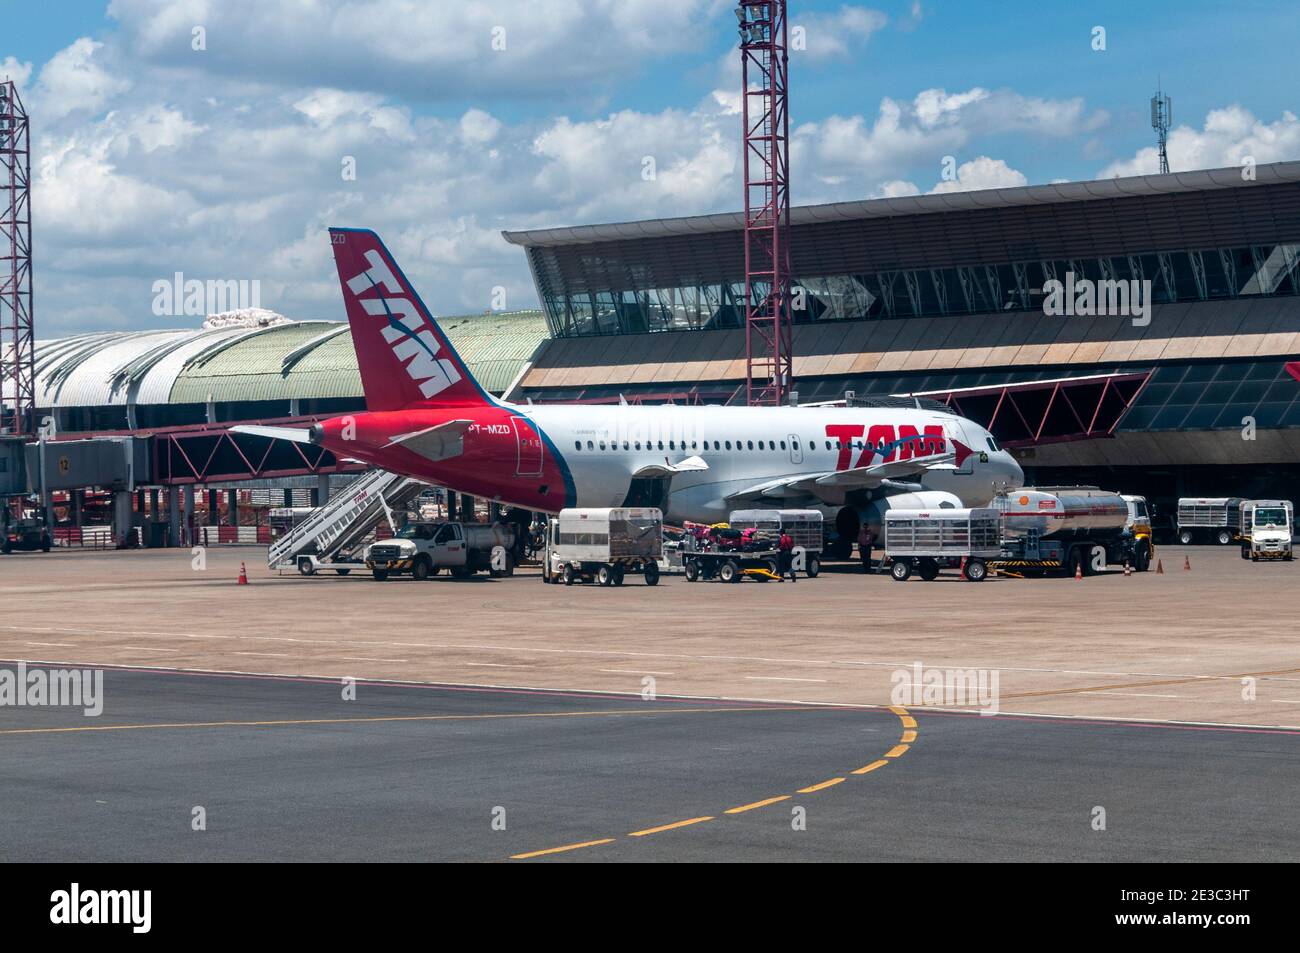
{"x":224,"y":162}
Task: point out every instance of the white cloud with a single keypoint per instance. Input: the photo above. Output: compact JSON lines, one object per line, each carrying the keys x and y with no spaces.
{"x":19,"y":72}
{"x":422,"y":51}
{"x":847,"y":153}
{"x":835,"y":35}
{"x":982,"y":173}
{"x":1226,"y":138}
{"x":75,"y":81}
{"x":479,"y":127}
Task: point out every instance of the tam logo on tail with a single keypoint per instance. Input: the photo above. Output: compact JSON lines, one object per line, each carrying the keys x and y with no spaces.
{"x":404,"y":358}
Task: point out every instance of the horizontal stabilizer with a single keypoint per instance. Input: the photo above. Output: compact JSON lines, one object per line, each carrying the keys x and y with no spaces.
{"x":435,"y":443}
{"x":293,"y":434}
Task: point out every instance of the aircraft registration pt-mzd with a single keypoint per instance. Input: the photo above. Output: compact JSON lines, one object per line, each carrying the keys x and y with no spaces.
{"x":428,"y":418}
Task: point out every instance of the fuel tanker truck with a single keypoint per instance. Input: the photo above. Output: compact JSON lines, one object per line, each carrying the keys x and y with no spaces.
{"x":1073,"y":528}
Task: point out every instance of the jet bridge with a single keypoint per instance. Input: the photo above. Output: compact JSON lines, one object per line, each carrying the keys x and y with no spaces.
{"x":331,"y":536}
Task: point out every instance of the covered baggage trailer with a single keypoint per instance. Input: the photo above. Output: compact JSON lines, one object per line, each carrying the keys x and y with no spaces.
{"x":925,"y":541}
{"x":603,"y":544}
{"x":1209,"y":519}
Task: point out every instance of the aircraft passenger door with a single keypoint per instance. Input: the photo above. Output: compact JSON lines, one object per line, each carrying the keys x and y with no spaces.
{"x":796,"y":449}
{"x":528,"y":444}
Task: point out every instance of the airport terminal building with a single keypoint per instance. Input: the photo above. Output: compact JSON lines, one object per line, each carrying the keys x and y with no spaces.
{"x":936,"y":295}
{"x":943,"y":295}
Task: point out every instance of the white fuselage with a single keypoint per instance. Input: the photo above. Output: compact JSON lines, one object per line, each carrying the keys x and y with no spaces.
{"x":604,"y":446}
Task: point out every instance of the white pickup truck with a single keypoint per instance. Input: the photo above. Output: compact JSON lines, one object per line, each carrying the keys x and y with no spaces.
{"x":425,"y":549}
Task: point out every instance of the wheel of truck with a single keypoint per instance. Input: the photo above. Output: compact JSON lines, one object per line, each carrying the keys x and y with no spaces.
{"x":1142,"y":557}
{"x":814,"y":567}
{"x":651,"y":572}
{"x":1224,"y":537}
{"x":305,"y":567}
{"x":420,"y":571}
{"x":730,"y":571}
{"x":975,"y":570}
{"x":618,"y":574}
{"x":1245,"y":552}
{"x":1185,"y":537}
{"x":928,"y":569}
{"x":900,"y":570}
{"x":380,"y":575}
{"x":692,"y":571}
{"x":567,"y":575}
{"x":605,"y":576}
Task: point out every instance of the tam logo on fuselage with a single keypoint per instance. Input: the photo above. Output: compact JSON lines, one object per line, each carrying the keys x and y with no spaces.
{"x":410,"y":339}
{"x":883,"y":441}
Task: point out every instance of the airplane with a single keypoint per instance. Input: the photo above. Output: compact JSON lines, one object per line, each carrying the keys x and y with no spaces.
{"x":426,"y":417}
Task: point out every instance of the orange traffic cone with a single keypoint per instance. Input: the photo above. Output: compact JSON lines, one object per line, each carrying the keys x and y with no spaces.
{"x":1078,"y":570}
{"x":1128,"y":570}
{"x":243,"y":575}
{"x":1160,"y":567}
{"x":1187,"y":562}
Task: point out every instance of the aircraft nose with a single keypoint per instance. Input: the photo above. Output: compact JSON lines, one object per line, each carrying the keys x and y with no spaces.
{"x":1015,"y":475}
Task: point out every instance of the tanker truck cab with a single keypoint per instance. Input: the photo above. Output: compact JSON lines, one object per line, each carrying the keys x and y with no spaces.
{"x":425,"y":549}
{"x":1266,"y":529}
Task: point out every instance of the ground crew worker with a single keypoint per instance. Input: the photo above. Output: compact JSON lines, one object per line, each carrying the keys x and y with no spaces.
{"x":785,"y":556}
{"x":866,"y":540}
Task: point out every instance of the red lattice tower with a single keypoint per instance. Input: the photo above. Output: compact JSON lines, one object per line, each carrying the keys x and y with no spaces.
{"x":17,"y":350}
{"x":764,"y":74}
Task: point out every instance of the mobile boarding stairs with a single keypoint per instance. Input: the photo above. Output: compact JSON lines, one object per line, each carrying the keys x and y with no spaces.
{"x":332,"y":537}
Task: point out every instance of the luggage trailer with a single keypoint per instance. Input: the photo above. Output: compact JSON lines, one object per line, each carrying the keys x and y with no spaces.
{"x":926,"y":541}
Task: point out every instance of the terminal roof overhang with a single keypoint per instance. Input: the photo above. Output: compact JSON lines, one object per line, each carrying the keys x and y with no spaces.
{"x":1276,"y":173}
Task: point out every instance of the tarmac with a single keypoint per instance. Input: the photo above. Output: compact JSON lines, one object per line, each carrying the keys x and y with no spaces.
{"x":1149,"y":717}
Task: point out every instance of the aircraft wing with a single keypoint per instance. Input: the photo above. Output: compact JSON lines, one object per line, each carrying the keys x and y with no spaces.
{"x":689,"y":465}
{"x":293,"y":434}
{"x":831,"y":484}
{"x":435,"y":443}
{"x":872,"y":476}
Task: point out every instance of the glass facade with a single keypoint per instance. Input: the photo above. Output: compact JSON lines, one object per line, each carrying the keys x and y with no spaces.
{"x":1204,"y":274}
{"x":1184,"y":396}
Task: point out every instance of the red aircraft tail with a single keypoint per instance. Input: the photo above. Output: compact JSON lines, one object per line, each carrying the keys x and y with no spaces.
{"x":404,"y":357}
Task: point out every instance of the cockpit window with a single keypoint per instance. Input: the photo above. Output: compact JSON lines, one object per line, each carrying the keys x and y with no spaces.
{"x":993,"y":444}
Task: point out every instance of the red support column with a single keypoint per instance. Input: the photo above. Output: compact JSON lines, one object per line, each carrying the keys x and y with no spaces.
{"x":17,"y":349}
{"x":764,"y":74}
